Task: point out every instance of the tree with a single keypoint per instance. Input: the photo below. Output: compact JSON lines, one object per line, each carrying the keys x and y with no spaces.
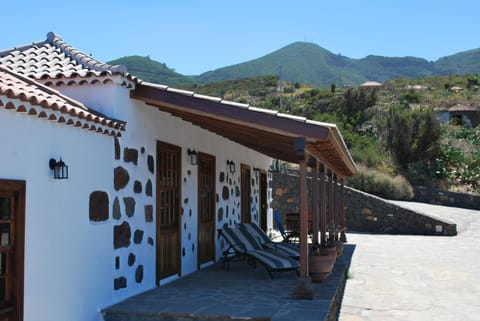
{"x":411,"y":135}
{"x":333,"y":87}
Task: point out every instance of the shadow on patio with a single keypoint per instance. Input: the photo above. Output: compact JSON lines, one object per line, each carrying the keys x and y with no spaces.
{"x":241,"y":293}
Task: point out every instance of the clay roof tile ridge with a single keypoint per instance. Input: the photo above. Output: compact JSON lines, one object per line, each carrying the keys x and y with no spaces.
{"x":82,"y":58}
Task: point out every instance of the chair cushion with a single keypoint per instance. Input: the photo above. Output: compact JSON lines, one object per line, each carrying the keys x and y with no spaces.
{"x":257,"y":233}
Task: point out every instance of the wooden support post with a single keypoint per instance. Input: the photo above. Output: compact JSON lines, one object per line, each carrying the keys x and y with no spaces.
{"x":331,"y":208}
{"x":315,"y":204}
{"x":343,"y":237}
{"x":303,"y":220}
{"x":335,"y":206}
{"x":303,"y":289}
{"x":323,"y":207}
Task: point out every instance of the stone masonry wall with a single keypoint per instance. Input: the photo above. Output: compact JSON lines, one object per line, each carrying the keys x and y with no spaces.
{"x":368,"y":213}
{"x":433,"y":196}
{"x":364,"y":212}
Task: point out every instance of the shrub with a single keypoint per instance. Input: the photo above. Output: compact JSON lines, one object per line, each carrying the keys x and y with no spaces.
{"x":411,"y":135}
{"x":381,"y":184}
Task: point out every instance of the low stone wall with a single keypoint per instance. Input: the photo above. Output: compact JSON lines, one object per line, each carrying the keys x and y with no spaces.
{"x":364,"y":212}
{"x":368,"y":213}
{"x":434,"y":196}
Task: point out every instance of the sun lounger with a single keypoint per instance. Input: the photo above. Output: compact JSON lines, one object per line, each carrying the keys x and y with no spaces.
{"x":287,"y":236}
{"x":259,"y":235}
{"x":246,"y":247}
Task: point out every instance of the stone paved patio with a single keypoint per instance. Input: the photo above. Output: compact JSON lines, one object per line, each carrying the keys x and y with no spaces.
{"x":241,"y":293}
{"x":421,"y":278}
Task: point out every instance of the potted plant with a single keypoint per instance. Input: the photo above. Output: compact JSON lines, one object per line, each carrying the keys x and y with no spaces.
{"x":320,"y":263}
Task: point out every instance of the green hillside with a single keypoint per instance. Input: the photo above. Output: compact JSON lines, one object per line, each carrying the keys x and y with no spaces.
{"x":152,"y":71}
{"x":309,"y":63}
{"x":466,"y":62}
{"x":392,"y":133}
{"x":302,"y":62}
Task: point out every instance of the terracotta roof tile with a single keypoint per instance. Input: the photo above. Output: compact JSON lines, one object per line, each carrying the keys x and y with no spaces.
{"x":28,"y":96}
{"x":53,"y":58}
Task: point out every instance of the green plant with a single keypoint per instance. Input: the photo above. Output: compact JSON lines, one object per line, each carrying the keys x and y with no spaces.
{"x":381,"y":184}
{"x":459,"y":160}
{"x":411,"y":135}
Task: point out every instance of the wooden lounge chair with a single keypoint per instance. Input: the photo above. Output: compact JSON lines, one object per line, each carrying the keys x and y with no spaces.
{"x":285,"y":248}
{"x":246,"y":247}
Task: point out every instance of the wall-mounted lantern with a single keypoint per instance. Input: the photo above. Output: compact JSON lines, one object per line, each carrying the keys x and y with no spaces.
{"x":257,"y":172}
{"x":231,"y":166}
{"x":60,"y":169}
{"x":193,"y":156}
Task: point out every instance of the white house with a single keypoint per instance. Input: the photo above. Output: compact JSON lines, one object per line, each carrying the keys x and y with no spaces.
{"x":153,"y":172}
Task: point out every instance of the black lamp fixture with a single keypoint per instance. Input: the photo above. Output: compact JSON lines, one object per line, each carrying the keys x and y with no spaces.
{"x":193,"y":156}
{"x":231,"y":166}
{"x":257,"y":171}
{"x":60,"y":169}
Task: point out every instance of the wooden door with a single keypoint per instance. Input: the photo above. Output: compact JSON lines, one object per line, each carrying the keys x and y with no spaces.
{"x":245,"y":202}
{"x":262,"y":189}
{"x":168,"y":218}
{"x":206,"y":208}
{"x":12,"y":230}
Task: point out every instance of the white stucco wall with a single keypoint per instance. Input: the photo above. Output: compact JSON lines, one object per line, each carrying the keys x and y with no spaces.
{"x":70,"y":261}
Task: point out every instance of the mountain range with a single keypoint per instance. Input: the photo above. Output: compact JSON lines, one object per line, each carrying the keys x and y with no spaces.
{"x":309,"y":63}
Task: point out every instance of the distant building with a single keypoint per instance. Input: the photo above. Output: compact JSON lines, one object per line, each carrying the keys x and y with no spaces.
{"x":459,"y":114}
{"x":456,"y":89}
{"x":370,"y":85}
{"x":416,"y":87}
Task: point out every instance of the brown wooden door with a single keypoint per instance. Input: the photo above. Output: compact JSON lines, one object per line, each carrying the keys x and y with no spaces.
{"x":245,"y":194}
{"x":206,"y":208}
{"x":168,"y":259}
{"x":12,"y":230}
{"x":262,"y":188}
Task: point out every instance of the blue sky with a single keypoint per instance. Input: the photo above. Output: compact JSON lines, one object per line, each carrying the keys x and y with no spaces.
{"x":197,"y":36}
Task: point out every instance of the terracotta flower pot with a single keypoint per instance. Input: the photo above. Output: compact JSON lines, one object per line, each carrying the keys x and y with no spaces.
{"x":339,"y":246}
{"x":332,"y":250}
{"x":320,"y":266}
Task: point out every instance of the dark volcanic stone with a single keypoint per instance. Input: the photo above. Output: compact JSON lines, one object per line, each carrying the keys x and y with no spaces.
{"x":117,"y":213}
{"x":139,"y":274}
{"x":98,"y":206}
{"x":148,"y":188}
{"x":138,"y":236}
{"x":151,"y":164}
{"x":130,"y":155}
{"x":225,"y":193}
{"x":129,"y":206}
{"x":121,"y":235}
{"x":131,"y":259}
{"x":120,"y":283}
{"x":137,"y":187}
{"x":149,"y":213}
{"x":120,"y":178}
{"x":117,"y":148}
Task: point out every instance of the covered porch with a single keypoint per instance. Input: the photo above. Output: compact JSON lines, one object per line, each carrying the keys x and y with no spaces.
{"x":241,"y":293}
{"x":294,"y":139}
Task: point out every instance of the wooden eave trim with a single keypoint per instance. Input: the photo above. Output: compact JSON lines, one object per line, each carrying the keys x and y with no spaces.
{"x":161,"y":97}
{"x":205,"y":113}
{"x":339,"y":144}
{"x":237,"y":133}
